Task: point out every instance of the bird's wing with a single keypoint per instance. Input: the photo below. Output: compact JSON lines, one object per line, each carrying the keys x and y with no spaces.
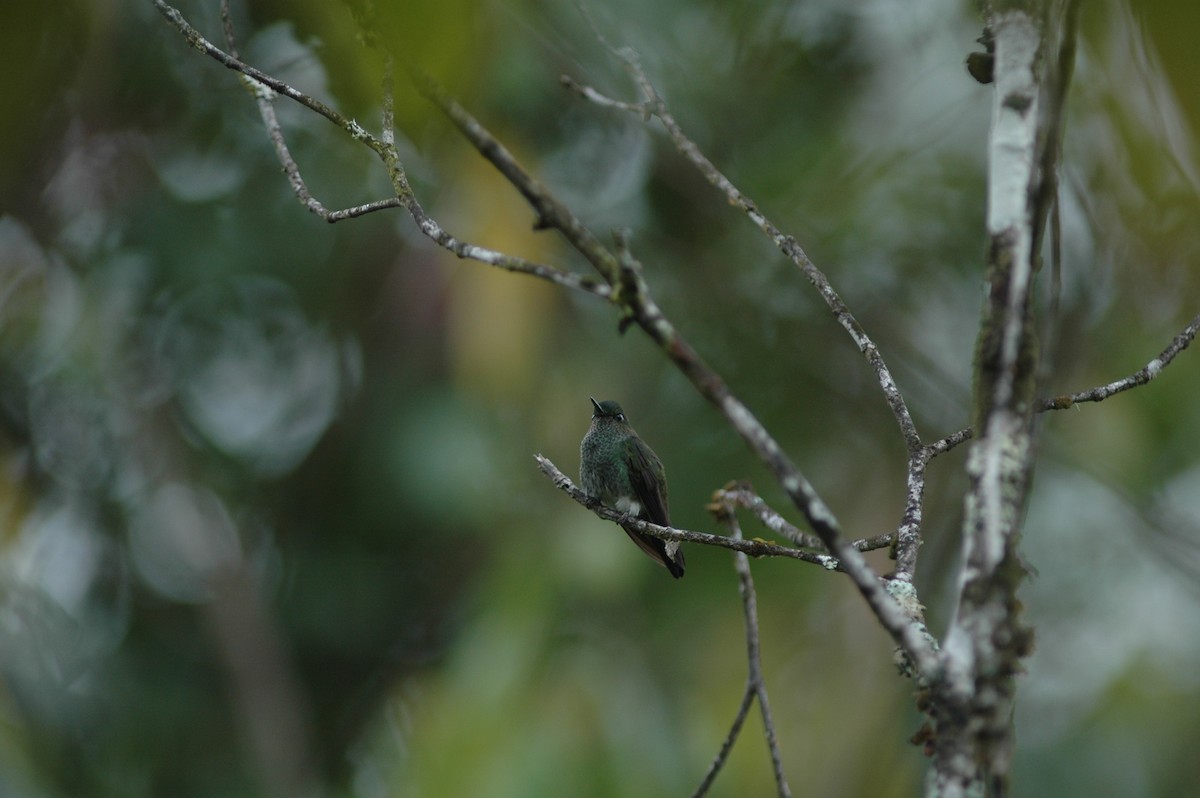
{"x":647,"y":480}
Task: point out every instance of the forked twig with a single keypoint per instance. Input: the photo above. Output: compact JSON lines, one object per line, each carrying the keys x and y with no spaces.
{"x":264,"y":87}
{"x":742,"y":494}
{"x":723,"y":509}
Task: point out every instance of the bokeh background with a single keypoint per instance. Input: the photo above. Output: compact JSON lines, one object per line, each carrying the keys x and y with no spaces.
{"x":268,"y":509}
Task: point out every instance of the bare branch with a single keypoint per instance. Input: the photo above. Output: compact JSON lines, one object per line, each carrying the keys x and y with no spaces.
{"x":264,"y":97}
{"x":427,"y":225}
{"x":388,"y":100}
{"x":889,"y":613}
{"x":723,"y":510}
{"x":264,"y":87}
{"x":750,"y":605}
{"x":743,"y":495}
{"x":1058,"y":82}
{"x":908,"y":536}
{"x":266,"y":109}
{"x":603,"y":100}
{"x":196,"y":40}
{"x":1139,"y":377}
{"x":1097,"y":394}
{"x":227,"y":26}
{"x":875,"y":542}
{"x":985,"y":639}
{"x":727,"y":745}
{"x":951,"y":441}
{"x":899,"y":586}
{"x":551,"y":214}
{"x":654,"y":105}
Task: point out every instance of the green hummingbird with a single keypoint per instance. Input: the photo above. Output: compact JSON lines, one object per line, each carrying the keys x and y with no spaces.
{"x":619,"y":469}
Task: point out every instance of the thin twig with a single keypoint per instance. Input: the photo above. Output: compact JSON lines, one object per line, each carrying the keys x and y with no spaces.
{"x":951,"y":441}
{"x":1055,"y":107}
{"x":723,"y":509}
{"x":388,"y":93}
{"x":227,"y":26}
{"x":1097,"y":394}
{"x":264,"y":87}
{"x":196,"y":40}
{"x":743,"y":495}
{"x":1139,"y":377}
{"x":735,"y":728}
{"x":1058,"y":80}
{"x":264,"y":97}
{"x":603,"y":100}
{"x":551,"y":214}
{"x":899,"y":586}
{"x":754,"y":656}
{"x":908,"y":535}
{"x":654,"y":105}
{"x":875,"y":542}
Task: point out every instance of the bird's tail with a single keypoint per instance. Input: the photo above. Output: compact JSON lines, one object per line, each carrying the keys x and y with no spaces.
{"x":665,"y":552}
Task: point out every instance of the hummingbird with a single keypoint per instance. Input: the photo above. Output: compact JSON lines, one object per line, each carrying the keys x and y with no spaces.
{"x":619,"y":469}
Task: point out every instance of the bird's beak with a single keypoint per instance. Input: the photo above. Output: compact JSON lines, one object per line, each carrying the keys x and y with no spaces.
{"x":596,"y":405}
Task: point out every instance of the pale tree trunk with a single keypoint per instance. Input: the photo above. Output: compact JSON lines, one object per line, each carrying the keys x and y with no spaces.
{"x":986,"y":639}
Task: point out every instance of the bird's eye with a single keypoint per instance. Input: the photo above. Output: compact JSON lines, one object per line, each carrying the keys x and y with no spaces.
{"x":620,"y":416}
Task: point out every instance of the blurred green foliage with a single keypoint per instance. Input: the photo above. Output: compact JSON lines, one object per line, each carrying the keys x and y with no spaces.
{"x":266,"y":483}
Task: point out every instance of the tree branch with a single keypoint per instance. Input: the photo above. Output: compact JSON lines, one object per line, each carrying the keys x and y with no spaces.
{"x":727,"y":745}
{"x":264,"y":97}
{"x":951,"y":441}
{"x":654,"y":105}
{"x":264,"y":87}
{"x":1097,"y":394}
{"x":551,"y":214}
{"x":908,"y":536}
{"x":722,"y":508}
{"x":1139,"y":377}
{"x":743,"y":495}
{"x":196,"y":40}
